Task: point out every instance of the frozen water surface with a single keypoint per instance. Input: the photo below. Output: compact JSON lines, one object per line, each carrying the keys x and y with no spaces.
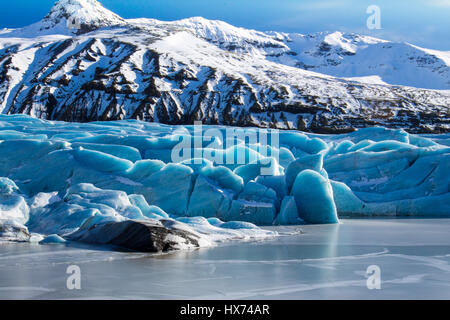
{"x":321,"y":262}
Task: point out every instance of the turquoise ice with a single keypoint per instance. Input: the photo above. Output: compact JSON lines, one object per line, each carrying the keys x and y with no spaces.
{"x":58,"y":177}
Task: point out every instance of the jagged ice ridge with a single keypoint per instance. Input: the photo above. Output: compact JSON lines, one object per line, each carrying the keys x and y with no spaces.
{"x":105,"y":181}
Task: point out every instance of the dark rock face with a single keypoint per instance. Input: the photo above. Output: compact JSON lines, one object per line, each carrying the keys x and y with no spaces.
{"x":206,"y":95}
{"x":141,"y":236}
{"x":13,"y":232}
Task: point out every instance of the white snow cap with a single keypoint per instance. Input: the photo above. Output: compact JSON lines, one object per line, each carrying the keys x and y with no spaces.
{"x":76,"y":15}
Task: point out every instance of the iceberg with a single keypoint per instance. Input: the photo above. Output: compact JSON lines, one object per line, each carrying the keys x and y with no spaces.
{"x":53,"y":239}
{"x":12,"y":204}
{"x":208,"y":200}
{"x":81,"y":180}
{"x":312,"y":162}
{"x":313,"y":195}
{"x":289,"y":214}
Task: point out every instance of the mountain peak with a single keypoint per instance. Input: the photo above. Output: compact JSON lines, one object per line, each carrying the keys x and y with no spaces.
{"x":79,"y":16}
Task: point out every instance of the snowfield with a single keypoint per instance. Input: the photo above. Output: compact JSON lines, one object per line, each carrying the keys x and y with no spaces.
{"x":115,"y":183}
{"x":84,"y":63}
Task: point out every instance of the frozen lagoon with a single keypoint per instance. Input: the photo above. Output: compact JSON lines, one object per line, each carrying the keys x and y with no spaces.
{"x":322,"y":262}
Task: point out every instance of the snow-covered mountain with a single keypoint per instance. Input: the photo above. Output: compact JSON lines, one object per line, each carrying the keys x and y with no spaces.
{"x":82,"y":62}
{"x":73,"y":17}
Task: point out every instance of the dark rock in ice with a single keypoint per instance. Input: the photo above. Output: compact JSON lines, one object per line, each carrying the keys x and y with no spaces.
{"x":142,"y":236}
{"x":10,"y":231}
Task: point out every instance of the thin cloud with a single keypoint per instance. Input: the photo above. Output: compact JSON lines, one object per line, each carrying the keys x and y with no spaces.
{"x":439,"y":3}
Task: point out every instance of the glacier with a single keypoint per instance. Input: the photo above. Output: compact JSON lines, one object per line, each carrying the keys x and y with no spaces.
{"x":114,"y":183}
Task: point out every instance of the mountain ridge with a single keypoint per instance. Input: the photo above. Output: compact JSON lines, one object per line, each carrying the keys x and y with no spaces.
{"x":177,"y":72}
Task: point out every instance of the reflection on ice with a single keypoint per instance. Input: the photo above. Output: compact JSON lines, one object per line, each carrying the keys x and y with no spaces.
{"x":323,"y":262}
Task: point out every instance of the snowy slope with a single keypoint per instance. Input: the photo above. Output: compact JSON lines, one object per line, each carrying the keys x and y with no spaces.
{"x":196,"y":69}
{"x":337,"y":54}
{"x":72,"y":17}
{"x":348,"y":55}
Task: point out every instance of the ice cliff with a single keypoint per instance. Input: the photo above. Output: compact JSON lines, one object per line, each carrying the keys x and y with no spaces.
{"x":115,"y":182}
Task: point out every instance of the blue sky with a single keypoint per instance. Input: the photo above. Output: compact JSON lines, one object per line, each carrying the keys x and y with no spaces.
{"x":421,"y":22}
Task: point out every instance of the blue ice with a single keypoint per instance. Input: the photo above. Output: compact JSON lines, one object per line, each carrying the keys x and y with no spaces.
{"x":58,"y":177}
